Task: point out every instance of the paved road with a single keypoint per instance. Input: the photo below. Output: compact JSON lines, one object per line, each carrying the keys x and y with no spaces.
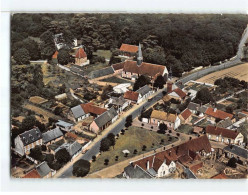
{"x":95,"y":149}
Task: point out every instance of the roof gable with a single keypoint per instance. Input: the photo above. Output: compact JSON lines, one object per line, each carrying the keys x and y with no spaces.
{"x":129,"y":48}
{"x":218,"y":113}
{"x":131,"y":95}
{"x":161,"y":115}
{"x":91,"y":108}
{"x":186,"y":114}
{"x":81,"y":53}
{"x":31,"y":136}
{"x":221,"y":131}
{"x":51,"y":135}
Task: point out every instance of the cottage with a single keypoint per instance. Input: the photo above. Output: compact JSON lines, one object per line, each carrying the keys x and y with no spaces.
{"x":224,"y":135}
{"x":185,"y":116}
{"x":171,"y":120}
{"x":81,"y":57}
{"x":28,"y":140}
{"x":74,"y":149}
{"x":44,"y":170}
{"x":237,"y":152}
{"x":144,"y":92}
{"x":177,"y":94}
{"x":52,"y":136}
{"x":197,"y":109}
{"x":128,"y":50}
{"x":83,"y":111}
{"x":64,"y":126}
{"x":119,"y":103}
{"x":104,"y":120}
{"x":132,"y":96}
{"x":213,"y":114}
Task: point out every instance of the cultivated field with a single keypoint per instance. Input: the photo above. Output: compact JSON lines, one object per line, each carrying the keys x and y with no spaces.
{"x":240,"y":72}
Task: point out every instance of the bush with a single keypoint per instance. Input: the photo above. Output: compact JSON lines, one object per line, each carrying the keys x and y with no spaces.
{"x":81,"y":168}
{"x":135,"y":151}
{"x":144,"y":148}
{"x":106,"y":161}
{"x":93,"y":158}
{"x":116,"y":158}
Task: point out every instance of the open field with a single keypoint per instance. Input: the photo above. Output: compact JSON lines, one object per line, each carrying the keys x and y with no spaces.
{"x":134,"y":138}
{"x":104,"y":53}
{"x":239,"y":72}
{"x":114,"y":79}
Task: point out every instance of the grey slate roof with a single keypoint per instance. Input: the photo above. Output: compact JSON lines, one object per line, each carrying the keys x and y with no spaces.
{"x":136,"y":172}
{"x":51,"y":135}
{"x":143,"y":90}
{"x":63,"y":123}
{"x":224,"y":123}
{"x":203,"y":109}
{"x":74,"y":148}
{"x":43,"y":169}
{"x":77,"y":111}
{"x":31,"y":136}
{"x":189,"y":174}
{"x":105,"y":117}
{"x":193,"y":106}
{"x":152,"y":172}
{"x":101,"y":72}
{"x":118,"y":101}
{"x":237,"y":150}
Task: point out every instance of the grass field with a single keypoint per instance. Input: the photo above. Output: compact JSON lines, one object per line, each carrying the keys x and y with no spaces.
{"x":104,"y":53}
{"x":134,"y":138}
{"x":239,"y":72}
{"x":115,"y":80}
{"x":92,"y":67}
{"x":187,"y":129}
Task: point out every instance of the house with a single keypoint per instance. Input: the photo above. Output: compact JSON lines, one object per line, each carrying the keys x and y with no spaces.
{"x":81,"y":57}
{"x":128,"y":50}
{"x":144,"y":92}
{"x":177,"y":94}
{"x":64,"y":126}
{"x":164,"y":163}
{"x":132,"y":96}
{"x":119,"y":103}
{"x":121,"y":88}
{"x":135,"y":172}
{"x":213,"y":114}
{"x":237,"y":152}
{"x":197,"y":108}
{"x":83,"y":111}
{"x":28,"y":140}
{"x":52,"y":136}
{"x":225,"y":123}
{"x":73,"y":149}
{"x":104,"y":120}
{"x":185,"y":116}
{"x":132,"y":70}
{"x":44,"y":170}
{"x":224,"y":135}
{"x":171,"y":120}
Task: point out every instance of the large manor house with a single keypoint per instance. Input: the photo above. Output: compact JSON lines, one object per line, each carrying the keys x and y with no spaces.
{"x":133,"y":69}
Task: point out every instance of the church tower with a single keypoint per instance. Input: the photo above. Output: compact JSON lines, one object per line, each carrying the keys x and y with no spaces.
{"x":140,"y":57}
{"x":170,"y":74}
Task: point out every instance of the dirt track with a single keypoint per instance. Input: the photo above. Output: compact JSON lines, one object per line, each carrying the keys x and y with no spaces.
{"x":240,"y":72}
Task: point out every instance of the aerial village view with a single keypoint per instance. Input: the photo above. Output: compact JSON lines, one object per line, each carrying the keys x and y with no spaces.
{"x":129,"y":96}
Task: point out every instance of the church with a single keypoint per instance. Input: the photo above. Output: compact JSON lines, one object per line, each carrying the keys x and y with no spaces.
{"x":133,"y":69}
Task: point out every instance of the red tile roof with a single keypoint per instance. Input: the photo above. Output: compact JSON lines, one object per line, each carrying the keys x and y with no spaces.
{"x":245,"y":112}
{"x":129,"y":48}
{"x":118,"y":66}
{"x":72,"y":135}
{"x":55,"y":55}
{"x":186,"y":114}
{"x":218,"y":113}
{"x":179,"y":92}
{"x":131,"y":95}
{"x":91,"y":108}
{"x":144,"y":69}
{"x":221,"y":131}
{"x":220,"y":176}
{"x":197,"y":165}
{"x":32,"y":174}
{"x":81,"y":53}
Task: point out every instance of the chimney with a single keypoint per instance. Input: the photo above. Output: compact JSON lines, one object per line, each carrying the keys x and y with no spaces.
{"x":215,"y":109}
{"x":169,"y":87}
{"x":147,"y":165}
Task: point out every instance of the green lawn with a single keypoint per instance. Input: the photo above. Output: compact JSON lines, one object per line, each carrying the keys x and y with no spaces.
{"x":115,"y":80}
{"x":104,"y":53}
{"x":92,"y":67}
{"x":187,"y":129}
{"x":134,"y":138}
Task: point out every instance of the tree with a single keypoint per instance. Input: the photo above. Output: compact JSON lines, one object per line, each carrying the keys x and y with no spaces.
{"x":58,"y":110}
{"x":144,"y":148}
{"x":162,"y":128}
{"x":36,"y":153}
{"x":28,"y":123}
{"x":232,"y":162}
{"x":159,"y":82}
{"x":129,"y":121}
{"x":63,"y":156}
{"x":141,"y":81}
{"x":21,"y":56}
{"x":81,"y":168}
{"x":106,"y":161}
{"x":203,"y":96}
{"x":47,"y":50}
{"x":63,"y":56}
{"x":135,"y":151}
{"x":111,"y":138}
{"x":105,"y":144}
{"x":93,"y":158}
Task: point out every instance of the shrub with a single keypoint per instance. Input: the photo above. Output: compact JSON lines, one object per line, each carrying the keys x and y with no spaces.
{"x":106,"y":161}
{"x":144,"y":148}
